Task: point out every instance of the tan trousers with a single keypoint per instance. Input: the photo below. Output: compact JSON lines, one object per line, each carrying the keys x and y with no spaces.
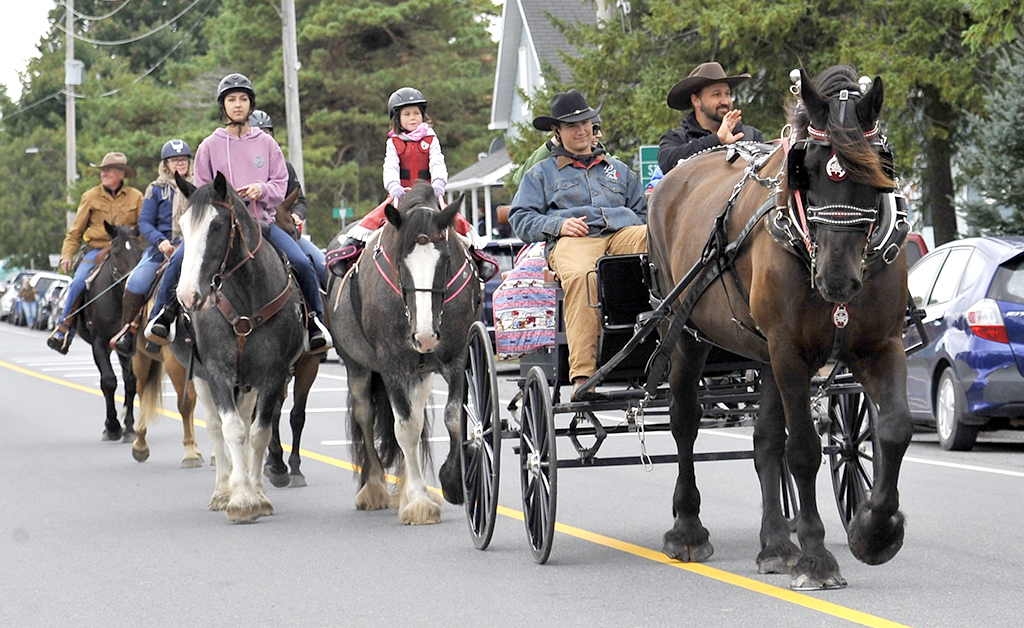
{"x":572,"y":259}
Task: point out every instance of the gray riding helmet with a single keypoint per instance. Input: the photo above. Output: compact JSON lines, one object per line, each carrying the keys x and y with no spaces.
{"x":175,"y":148}
{"x":236,"y":82}
{"x":403,"y":98}
{"x":260,"y":119}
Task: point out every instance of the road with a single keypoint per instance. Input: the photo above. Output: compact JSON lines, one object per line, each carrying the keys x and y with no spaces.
{"x":89,"y":537}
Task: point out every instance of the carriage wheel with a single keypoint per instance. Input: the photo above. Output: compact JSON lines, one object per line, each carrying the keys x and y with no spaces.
{"x":851,"y":430}
{"x":538,"y":464}
{"x":790,"y":499}
{"x":481,"y":438}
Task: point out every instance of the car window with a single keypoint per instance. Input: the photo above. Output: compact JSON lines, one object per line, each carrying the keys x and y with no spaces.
{"x":949,"y":277}
{"x":1008,"y":284}
{"x":922,"y":277}
{"x":975,"y":268}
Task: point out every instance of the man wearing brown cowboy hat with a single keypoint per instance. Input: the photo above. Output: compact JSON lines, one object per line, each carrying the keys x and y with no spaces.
{"x":713,"y":121}
{"x":113,"y":202}
{"x":583,"y":204}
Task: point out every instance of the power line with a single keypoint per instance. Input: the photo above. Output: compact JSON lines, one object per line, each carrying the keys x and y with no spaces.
{"x":27,"y":107}
{"x":98,"y":42}
{"x":96,"y":18}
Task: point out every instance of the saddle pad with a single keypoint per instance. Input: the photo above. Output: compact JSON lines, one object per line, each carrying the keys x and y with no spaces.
{"x":524,"y":307}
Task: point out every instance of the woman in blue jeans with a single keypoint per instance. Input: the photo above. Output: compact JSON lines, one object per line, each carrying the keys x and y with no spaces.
{"x":162,"y":207}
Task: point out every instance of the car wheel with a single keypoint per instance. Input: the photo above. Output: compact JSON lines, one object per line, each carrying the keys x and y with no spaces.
{"x":950,"y":406}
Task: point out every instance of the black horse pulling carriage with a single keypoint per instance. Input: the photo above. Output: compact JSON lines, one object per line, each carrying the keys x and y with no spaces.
{"x":813,"y":301}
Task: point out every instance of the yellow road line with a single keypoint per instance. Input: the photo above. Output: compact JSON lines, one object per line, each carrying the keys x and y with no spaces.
{"x":699,"y":569}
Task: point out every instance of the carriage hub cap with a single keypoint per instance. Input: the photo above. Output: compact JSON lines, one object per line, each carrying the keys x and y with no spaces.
{"x":533,"y":463}
{"x":478,"y":432}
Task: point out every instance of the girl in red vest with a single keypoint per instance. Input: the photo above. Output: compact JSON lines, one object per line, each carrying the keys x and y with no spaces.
{"x":412,"y":152}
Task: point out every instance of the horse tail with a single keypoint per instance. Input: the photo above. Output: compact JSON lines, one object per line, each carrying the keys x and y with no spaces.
{"x":149,"y":391}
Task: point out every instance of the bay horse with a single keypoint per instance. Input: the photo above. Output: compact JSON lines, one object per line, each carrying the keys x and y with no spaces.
{"x":101,"y":320}
{"x":405,"y":309}
{"x":247,"y":319}
{"x":809,"y":282}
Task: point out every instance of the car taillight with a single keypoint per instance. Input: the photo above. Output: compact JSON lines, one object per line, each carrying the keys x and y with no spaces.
{"x":986,"y":321}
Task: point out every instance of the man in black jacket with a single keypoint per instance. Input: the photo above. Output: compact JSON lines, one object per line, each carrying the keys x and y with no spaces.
{"x":713,"y":121}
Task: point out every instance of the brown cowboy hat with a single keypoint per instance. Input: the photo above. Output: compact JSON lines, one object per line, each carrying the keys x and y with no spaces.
{"x":566,"y":108}
{"x":116,"y":160}
{"x":703,"y":75}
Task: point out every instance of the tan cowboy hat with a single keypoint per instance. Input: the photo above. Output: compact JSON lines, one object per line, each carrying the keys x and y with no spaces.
{"x":116,"y":160}
{"x":703,"y":75}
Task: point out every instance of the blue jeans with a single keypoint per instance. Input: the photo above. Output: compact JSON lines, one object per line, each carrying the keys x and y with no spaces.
{"x":319,"y":260}
{"x":78,"y":283}
{"x":302,"y":264}
{"x":142,"y":277}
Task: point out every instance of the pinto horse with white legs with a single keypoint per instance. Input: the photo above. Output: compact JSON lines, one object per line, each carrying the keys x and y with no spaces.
{"x":808,"y":268}
{"x":246,"y":313}
{"x":405,"y":310}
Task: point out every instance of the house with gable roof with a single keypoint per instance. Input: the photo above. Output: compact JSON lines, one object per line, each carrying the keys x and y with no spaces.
{"x":529,"y":45}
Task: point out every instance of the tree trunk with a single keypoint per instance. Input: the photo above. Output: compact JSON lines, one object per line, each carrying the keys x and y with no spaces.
{"x":937,"y":179}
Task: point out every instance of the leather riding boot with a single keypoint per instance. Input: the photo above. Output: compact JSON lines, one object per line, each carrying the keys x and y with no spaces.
{"x":160,"y":329}
{"x":131,"y":308}
{"x":60,"y":339}
{"x":319,"y":337}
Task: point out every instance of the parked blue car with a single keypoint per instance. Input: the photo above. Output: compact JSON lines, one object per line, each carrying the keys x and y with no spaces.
{"x":970,"y":376}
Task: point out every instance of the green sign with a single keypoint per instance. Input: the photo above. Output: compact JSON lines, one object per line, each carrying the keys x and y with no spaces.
{"x":648,"y":162}
{"x":342,"y":212}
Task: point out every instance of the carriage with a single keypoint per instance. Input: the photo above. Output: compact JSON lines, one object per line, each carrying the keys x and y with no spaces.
{"x":541,"y":412}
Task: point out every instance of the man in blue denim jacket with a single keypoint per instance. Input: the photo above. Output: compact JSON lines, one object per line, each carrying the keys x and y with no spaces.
{"x":583,"y":204}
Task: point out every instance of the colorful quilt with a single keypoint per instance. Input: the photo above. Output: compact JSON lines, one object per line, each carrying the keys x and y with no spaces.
{"x":524,"y":307}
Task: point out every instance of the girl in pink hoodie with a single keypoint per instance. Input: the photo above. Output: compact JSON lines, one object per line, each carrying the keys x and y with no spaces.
{"x":254,"y":165}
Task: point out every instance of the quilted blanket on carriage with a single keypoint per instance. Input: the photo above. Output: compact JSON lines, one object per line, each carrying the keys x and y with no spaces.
{"x":524,"y":307}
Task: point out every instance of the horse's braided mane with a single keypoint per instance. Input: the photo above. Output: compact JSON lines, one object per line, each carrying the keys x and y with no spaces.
{"x":855,"y":153}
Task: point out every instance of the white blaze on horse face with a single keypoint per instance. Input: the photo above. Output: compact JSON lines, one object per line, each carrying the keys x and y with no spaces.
{"x":194,"y":238}
{"x":422,"y":265}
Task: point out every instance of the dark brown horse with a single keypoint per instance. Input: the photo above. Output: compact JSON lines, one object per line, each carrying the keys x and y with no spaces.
{"x":838,"y":294}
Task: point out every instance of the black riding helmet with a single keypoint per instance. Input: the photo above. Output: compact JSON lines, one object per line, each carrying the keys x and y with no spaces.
{"x":175,"y":148}
{"x":260,"y":119}
{"x":235,"y":82}
{"x":403,"y":98}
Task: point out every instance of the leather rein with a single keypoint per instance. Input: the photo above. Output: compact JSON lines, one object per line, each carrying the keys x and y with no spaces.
{"x":243,"y":325}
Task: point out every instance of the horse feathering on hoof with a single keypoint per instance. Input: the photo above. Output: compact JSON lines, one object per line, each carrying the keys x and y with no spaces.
{"x":101,"y":320}
{"x":834,"y":291}
{"x":405,"y":309}
{"x":229,"y":272}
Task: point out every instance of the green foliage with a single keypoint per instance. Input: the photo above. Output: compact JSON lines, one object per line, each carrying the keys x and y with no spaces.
{"x":994,"y":162}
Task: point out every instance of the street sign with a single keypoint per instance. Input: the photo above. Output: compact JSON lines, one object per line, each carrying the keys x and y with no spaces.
{"x":342,"y":212}
{"x":648,"y":162}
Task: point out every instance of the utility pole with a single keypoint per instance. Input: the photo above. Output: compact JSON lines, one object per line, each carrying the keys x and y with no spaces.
{"x":70,"y":68}
{"x":290,"y":49}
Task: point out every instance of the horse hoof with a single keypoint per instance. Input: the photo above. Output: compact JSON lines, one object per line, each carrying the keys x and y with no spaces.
{"x":778,"y":558}
{"x":280,"y":480}
{"x":192,"y":463}
{"x":688,"y":553}
{"x":128,"y":437}
{"x":804,"y":582}
{"x":297,"y":481}
{"x":140,"y":455}
{"x":373,"y":496}
{"x":422,"y":511}
{"x":109,"y":436}
{"x":248,"y":509}
{"x":219,"y":501}
{"x":875,"y":547}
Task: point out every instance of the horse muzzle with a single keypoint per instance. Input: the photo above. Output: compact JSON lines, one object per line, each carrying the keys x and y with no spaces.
{"x":426,"y":342}
{"x":838,"y":289}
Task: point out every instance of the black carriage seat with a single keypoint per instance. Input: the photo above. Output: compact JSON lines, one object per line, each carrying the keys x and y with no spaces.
{"x":622,"y":295}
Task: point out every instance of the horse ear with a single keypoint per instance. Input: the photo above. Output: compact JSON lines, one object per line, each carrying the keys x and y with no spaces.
{"x":111,"y":229}
{"x":220,"y":186}
{"x":817,"y":107}
{"x":186,"y":188}
{"x":870,"y":105}
{"x":447,"y":215}
{"x":393,"y":215}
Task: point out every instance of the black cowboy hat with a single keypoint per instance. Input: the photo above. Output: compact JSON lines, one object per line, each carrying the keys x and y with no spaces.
{"x":703,"y":75}
{"x":566,"y":108}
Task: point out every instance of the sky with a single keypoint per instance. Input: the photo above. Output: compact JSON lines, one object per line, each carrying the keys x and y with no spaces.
{"x":23,"y":24}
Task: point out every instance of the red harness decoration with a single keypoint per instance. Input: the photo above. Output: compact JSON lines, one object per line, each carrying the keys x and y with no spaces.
{"x":413,"y":159}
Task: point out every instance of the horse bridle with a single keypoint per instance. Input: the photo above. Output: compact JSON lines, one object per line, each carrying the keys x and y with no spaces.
{"x":243,"y":325}
{"x":396,"y":284}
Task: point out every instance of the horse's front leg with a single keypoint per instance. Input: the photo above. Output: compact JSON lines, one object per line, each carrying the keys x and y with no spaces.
{"x":778,"y":553}
{"x":876,"y":531}
{"x":688,"y":540}
{"x":221,"y":492}
{"x":373,"y":489}
{"x":417,"y":503}
{"x":236,"y":410}
{"x":268,"y":413}
{"x":451,"y":471}
{"x":128,"y":410}
{"x":275,"y":468}
{"x":112,"y":429}
{"x":816,"y":568}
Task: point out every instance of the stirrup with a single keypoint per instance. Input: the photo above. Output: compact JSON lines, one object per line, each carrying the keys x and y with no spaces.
{"x":159,"y":332}
{"x":485,"y":264}
{"x":60,"y":343}
{"x":318,"y":338}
